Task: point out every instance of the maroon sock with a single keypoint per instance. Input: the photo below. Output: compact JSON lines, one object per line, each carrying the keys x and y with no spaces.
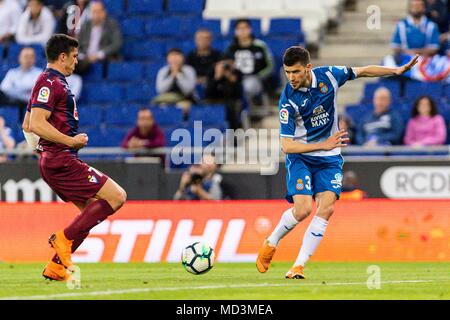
{"x":91,"y":216}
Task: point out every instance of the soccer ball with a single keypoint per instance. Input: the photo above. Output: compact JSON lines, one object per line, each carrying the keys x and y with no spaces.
{"x":198,"y":258}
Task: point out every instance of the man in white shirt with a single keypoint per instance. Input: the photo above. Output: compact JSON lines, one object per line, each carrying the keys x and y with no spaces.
{"x":15,"y":89}
{"x":9,"y":16}
{"x":36,"y":24}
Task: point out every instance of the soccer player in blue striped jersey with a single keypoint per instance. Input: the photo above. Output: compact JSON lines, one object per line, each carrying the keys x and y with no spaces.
{"x":312,"y":142}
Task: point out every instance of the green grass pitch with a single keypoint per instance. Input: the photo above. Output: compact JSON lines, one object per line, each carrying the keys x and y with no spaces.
{"x":230,"y":281}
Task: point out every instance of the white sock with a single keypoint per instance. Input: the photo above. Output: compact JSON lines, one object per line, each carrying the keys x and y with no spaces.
{"x":311,"y":240}
{"x":286,"y":224}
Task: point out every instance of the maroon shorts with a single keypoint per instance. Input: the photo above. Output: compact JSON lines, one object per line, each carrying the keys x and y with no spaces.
{"x":69,"y":177}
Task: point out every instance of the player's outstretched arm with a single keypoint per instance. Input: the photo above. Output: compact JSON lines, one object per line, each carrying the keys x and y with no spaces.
{"x":380,"y":71}
{"x":337,"y":140}
{"x":40,"y":126}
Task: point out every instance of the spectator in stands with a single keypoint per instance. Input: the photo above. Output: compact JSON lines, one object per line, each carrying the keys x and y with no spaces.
{"x":10,"y":12}
{"x":146,"y":134}
{"x":346,"y":124}
{"x":36,"y":24}
{"x":200,"y":182}
{"x":175,"y":82}
{"x":15,"y":89}
{"x":224,"y":86}
{"x":437,"y":11}
{"x":427,"y":126}
{"x":203,"y":58}
{"x":416,"y":33}
{"x":351,"y":189}
{"x":100,"y":38}
{"x":252,"y":57}
{"x":384,"y":126}
{"x":7,"y":141}
{"x":76,"y":84}
{"x":72,"y":27}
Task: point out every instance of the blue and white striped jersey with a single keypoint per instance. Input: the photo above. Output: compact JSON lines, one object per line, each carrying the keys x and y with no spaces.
{"x":309,"y":115}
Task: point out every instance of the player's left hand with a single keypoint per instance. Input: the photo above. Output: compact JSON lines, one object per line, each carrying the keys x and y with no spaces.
{"x":401,"y":70}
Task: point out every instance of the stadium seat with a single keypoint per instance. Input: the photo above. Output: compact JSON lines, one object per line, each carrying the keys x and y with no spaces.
{"x":90,"y":115}
{"x":140,"y":92}
{"x":145,"y":50}
{"x":152,"y":68}
{"x":4,"y":67}
{"x":102,"y":93}
{"x":167,"y":116}
{"x":10,"y":114}
{"x":210,"y":114}
{"x":94,"y":73}
{"x":14,"y":51}
{"x":115,"y":7}
{"x":280,"y":26}
{"x":212,"y":25}
{"x":357,"y":111}
{"x":370,"y":88}
{"x":186,"y":6}
{"x":122,"y":115}
{"x":145,"y":6}
{"x":125,"y":71}
{"x":133,"y":27}
{"x":416,"y":89}
{"x":223,"y":9}
{"x":164,"y":27}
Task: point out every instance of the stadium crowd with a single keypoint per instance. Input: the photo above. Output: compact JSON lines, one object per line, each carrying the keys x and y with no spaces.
{"x":191,"y":70}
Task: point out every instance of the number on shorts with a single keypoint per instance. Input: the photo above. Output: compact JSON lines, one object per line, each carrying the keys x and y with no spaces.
{"x":308,"y":182}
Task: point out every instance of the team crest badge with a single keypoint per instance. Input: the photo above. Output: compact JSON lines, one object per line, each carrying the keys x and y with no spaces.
{"x":92,"y":179}
{"x":300,"y":184}
{"x":323,"y":87}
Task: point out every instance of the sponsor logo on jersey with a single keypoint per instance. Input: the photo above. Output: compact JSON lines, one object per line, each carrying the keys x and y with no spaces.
{"x":43,"y":95}
{"x":299,"y":185}
{"x":284,"y":115}
{"x":323,"y":87}
{"x":320,"y":117}
{"x":337,"y":182}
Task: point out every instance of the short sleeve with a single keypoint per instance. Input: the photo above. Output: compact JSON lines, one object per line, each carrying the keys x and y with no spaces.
{"x":287,"y":118}
{"x":342,"y":74}
{"x":45,"y":96}
{"x":396,"y":42}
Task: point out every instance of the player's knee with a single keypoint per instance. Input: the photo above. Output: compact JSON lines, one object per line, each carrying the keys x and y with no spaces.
{"x":301,"y":211}
{"x":325,"y":212}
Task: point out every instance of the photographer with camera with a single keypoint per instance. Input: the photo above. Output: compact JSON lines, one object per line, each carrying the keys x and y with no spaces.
{"x":200,"y":182}
{"x":224,"y":86}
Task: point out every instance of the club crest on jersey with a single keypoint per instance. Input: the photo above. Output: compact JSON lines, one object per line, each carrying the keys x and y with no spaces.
{"x":320,"y":117}
{"x":92,"y":179}
{"x":43,"y":95}
{"x":299,"y":185}
{"x":284,"y":115}
{"x":337,"y":182}
{"x":323,"y":87}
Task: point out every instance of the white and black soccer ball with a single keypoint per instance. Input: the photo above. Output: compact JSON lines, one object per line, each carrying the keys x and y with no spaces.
{"x":198,"y":258}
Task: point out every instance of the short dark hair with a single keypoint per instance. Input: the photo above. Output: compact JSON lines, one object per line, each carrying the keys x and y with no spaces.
{"x":57,"y":44}
{"x":242,"y":20}
{"x":174,"y":50}
{"x":296,"y":54}
{"x":415,"y":110}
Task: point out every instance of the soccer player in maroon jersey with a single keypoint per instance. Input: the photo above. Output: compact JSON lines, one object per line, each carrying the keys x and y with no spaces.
{"x":52,"y":115}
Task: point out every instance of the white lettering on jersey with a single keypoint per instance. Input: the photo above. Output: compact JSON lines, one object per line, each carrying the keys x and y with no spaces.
{"x":320,"y":117}
{"x":43,"y":95}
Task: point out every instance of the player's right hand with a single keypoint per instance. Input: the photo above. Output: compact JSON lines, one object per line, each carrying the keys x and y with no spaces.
{"x":337,"y":140}
{"x":80,"y":141}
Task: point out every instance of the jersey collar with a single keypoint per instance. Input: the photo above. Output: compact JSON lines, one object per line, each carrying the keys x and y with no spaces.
{"x":313,"y":82}
{"x":56,"y":72}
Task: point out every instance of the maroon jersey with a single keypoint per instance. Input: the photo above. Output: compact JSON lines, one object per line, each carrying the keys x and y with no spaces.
{"x":51,"y":92}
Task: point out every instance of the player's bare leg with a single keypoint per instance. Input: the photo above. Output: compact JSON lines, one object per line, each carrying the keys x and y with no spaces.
{"x":314,"y":233}
{"x":110,"y":198}
{"x":290,"y":218}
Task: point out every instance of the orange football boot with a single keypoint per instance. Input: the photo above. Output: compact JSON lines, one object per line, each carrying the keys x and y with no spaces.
{"x":54,"y":271}
{"x":295,"y":273}
{"x":63,"y":248}
{"x":265,"y":255}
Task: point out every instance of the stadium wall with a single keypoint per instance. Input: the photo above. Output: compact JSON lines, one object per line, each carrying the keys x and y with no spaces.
{"x":21,"y":181}
{"x":155,"y":231}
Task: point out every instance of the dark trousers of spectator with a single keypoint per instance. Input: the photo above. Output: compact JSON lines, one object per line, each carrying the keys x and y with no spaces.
{"x":6,"y":101}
